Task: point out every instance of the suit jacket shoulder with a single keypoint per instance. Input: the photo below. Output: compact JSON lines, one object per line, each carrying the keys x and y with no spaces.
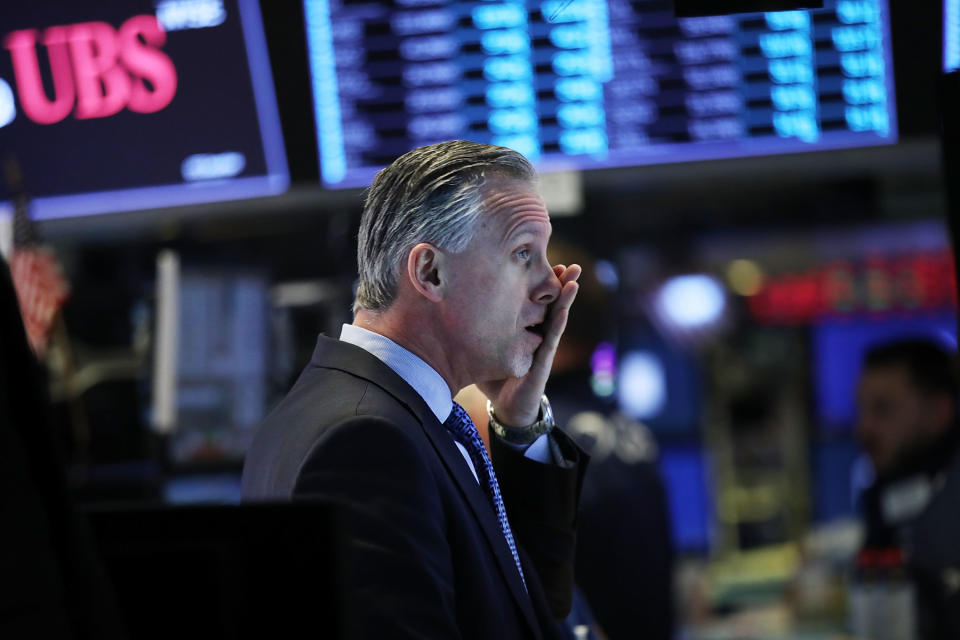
{"x":426,"y":556}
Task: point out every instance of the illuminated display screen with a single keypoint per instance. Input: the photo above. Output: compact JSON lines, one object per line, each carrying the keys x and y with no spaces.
{"x":951,"y":35}
{"x":593,"y":83}
{"x":124,"y":105}
{"x":880,"y":285}
{"x":685,"y":475}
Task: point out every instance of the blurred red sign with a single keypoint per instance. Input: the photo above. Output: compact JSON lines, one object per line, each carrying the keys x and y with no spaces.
{"x":877,"y":285}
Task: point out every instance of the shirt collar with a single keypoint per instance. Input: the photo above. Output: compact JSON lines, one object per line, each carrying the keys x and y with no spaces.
{"x":424,"y":379}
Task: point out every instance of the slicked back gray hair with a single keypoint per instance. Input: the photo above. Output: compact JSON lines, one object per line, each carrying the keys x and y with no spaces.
{"x":431,"y":194}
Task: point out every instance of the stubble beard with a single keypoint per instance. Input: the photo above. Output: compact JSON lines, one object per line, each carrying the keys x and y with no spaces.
{"x":511,"y":361}
{"x":520,"y":363}
{"x":500,"y":357}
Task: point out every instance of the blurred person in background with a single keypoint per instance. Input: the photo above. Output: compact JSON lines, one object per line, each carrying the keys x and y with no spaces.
{"x":908,"y":425}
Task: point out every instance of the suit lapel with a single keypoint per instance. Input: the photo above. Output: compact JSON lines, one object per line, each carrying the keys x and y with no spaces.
{"x":356,"y":361}
{"x":483,"y":511}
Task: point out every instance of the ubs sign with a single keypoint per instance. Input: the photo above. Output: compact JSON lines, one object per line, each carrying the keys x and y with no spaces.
{"x":97,"y":70}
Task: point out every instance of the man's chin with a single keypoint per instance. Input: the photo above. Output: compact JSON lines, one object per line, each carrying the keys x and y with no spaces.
{"x":516,"y":367}
{"x":521,"y":366}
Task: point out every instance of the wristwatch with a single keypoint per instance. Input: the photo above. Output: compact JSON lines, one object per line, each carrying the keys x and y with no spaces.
{"x":524,"y":435}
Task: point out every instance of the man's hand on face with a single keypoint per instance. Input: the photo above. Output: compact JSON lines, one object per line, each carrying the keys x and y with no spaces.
{"x":516,"y":401}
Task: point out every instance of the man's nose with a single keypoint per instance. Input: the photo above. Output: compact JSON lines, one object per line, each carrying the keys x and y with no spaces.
{"x":548,"y":289}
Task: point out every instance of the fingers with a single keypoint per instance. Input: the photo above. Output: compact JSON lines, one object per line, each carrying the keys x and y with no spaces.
{"x":561,"y":308}
{"x":568,"y":291}
{"x":571,"y":274}
{"x":557,"y":319}
{"x":567,"y":274}
{"x":557,"y":315}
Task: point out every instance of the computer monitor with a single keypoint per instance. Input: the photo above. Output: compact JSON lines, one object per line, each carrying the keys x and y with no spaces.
{"x":594,"y":83}
{"x":127,"y":105}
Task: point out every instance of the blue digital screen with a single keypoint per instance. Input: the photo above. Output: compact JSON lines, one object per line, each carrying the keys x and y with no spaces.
{"x":593,"y":83}
{"x":685,"y":476}
{"x":951,"y":35}
{"x":125,"y":105}
{"x":838,"y":350}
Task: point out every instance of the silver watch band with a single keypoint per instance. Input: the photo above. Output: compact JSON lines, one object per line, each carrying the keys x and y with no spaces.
{"x":524,"y":435}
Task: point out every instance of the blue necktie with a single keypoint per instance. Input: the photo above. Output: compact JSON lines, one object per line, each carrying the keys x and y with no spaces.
{"x":465,"y":432}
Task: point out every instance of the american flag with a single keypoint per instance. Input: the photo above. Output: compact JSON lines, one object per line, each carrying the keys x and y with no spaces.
{"x":41,"y":286}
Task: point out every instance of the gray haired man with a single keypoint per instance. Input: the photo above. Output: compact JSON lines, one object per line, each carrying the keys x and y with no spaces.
{"x":446,"y":539}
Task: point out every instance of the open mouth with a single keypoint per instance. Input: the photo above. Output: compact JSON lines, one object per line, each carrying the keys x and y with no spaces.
{"x":537,"y":329}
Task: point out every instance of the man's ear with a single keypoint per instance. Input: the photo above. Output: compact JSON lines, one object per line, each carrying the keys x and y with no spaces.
{"x":424,"y":264}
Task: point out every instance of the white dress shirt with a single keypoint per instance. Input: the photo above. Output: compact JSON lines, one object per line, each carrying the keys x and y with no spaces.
{"x":429,"y":385}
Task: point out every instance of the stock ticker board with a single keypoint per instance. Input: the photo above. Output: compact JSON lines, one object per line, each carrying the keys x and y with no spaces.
{"x":593,"y":83}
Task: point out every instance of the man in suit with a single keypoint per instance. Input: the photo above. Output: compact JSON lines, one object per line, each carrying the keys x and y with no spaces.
{"x":454,"y":288}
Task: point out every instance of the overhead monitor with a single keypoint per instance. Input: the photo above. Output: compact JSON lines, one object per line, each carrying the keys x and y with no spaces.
{"x":593,"y":83}
{"x":134,"y":104}
{"x":951,"y":35}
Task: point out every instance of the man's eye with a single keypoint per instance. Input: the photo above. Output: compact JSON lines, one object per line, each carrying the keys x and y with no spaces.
{"x":523,"y":254}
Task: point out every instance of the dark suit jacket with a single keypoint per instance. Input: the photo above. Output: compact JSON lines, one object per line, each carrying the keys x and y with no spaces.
{"x":427,"y":558}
